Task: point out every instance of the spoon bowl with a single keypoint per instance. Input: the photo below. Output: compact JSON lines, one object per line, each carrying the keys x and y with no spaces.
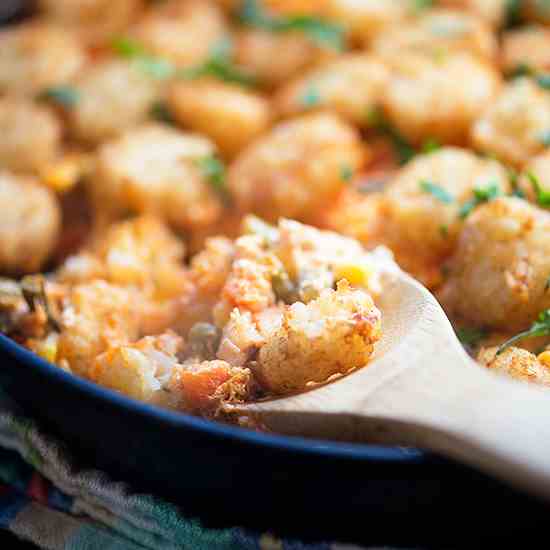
{"x":421,"y":388}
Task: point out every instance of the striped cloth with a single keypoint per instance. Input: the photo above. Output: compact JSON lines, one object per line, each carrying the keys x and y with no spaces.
{"x":45,"y":499}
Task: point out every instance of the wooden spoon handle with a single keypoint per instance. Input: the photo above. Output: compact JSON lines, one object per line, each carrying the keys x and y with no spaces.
{"x":499,"y":426}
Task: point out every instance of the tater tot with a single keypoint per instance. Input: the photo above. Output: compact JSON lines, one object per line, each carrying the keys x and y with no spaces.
{"x":357,"y":215}
{"x":96,"y":21}
{"x":36,"y":56}
{"x":229,"y":115}
{"x":113,"y":96}
{"x":492,"y":11}
{"x":273,"y":58}
{"x":526,"y":47}
{"x":140,"y":252}
{"x":421,"y":225}
{"x":97,"y":316}
{"x":516,"y":363}
{"x":31,"y":136}
{"x":156,"y":170}
{"x":182,"y":32}
{"x":330,"y":335}
{"x":439,"y":32}
{"x":296,"y":168}
{"x":352,"y":85}
{"x":432,"y":97}
{"x":498,"y":275}
{"x":517,"y":125}
{"x":30,"y":221}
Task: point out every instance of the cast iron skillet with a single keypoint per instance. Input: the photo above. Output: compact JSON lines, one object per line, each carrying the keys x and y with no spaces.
{"x":229,"y":475}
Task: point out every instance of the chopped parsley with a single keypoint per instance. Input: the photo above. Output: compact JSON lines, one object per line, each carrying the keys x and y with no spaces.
{"x":444,"y":230}
{"x":421,"y":5}
{"x":541,"y":327}
{"x":470,"y":336}
{"x":543,"y":80}
{"x":62,"y":95}
{"x":311,"y":97}
{"x":545,"y":138}
{"x":217,"y":65}
{"x":213,"y":169}
{"x":517,"y":192}
{"x":346,"y":173}
{"x":481,"y":195}
{"x":430,"y":146}
{"x":513,"y":13}
{"x":403,"y":149}
{"x":542,"y":196}
{"x":522,"y":69}
{"x":376,"y":120}
{"x":319,"y":30}
{"x":127,"y":47}
{"x":441,"y":194}
{"x":159,"y":111}
{"x":220,"y":66}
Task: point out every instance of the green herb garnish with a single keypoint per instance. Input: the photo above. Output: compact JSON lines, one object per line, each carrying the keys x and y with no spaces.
{"x":541,"y":327}
{"x":522,"y":69}
{"x":311,"y":97}
{"x":33,"y":290}
{"x":513,"y":13}
{"x":376,"y":120}
{"x":213,"y":169}
{"x":128,"y":47}
{"x":217,"y":65}
{"x":542,"y":196}
{"x":519,"y":193}
{"x":444,"y":231}
{"x":543,"y":80}
{"x":421,"y":5}
{"x":481,"y":195}
{"x":62,"y":95}
{"x":160,"y":111}
{"x":441,"y":194}
{"x":470,"y":336}
{"x":346,"y":173}
{"x":320,"y":31}
{"x":545,"y":138}
{"x":430,"y":146}
{"x":220,"y":66}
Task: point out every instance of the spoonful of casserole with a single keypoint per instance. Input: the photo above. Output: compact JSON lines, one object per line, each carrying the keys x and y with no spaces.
{"x":421,"y":388}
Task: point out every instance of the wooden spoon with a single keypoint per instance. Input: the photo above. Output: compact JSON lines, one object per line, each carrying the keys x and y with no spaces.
{"x":422,"y":389}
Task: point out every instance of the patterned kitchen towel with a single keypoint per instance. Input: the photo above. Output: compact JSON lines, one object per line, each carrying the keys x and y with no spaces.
{"x":45,"y":499}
